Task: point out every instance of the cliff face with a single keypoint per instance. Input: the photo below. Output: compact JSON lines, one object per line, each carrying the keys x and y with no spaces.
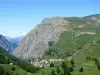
{"x":36,"y":41}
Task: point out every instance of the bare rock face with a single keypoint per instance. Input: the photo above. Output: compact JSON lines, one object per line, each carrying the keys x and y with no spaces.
{"x":36,"y":41}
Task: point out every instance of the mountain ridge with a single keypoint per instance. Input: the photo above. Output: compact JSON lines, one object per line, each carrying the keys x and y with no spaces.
{"x":8,"y":46}
{"x":58,"y":29}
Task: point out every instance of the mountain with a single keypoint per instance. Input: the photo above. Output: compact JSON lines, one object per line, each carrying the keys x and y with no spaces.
{"x":10,"y":65}
{"x":15,"y":40}
{"x":18,"y":39}
{"x":36,"y":41}
{"x":5,"y":44}
{"x":59,"y":37}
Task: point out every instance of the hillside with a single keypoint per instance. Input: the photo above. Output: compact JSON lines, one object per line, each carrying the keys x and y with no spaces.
{"x":36,"y":41}
{"x":10,"y":65}
{"x":66,"y":34}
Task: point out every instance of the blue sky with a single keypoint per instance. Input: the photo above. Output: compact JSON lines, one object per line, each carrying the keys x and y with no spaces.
{"x":18,"y":17}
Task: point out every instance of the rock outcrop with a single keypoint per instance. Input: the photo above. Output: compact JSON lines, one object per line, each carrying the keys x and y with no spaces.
{"x":36,"y":41}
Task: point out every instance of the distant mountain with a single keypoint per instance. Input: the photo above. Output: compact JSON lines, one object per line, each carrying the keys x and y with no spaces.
{"x":18,"y":39}
{"x":15,"y":40}
{"x":5,"y":44}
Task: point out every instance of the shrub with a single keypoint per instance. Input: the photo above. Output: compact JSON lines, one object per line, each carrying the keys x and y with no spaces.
{"x":63,"y":65}
{"x":72,"y":62}
{"x":50,"y":43}
{"x":42,"y":72}
{"x":88,"y":58}
{"x":96,"y":60}
{"x":51,"y":64}
{"x":67,"y":72}
{"x":53,"y":72}
{"x":13,"y":68}
{"x":81,"y":69}
{"x":71,"y":69}
{"x":28,"y":67}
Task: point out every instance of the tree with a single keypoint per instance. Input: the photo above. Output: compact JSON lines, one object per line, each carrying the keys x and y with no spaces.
{"x":71,"y":69}
{"x":7,"y":73}
{"x":53,"y":72}
{"x":66,"y":69}
{"x":51,"y":64}
{"x":13,"y":68}
{"x":81,"y":69}
{"x":58,"y":70}
{"x":96,"y":60}
{"x":42,"y":72}
{"x":50,"y":43}
{"x":2,"y":58}
{"x":72,"y":62}
{"x":67,"y":72}
{"x":64,"y":65}
{"x":98,"y":66}
{"x":88,"y":58}
{"x":1,"y":70}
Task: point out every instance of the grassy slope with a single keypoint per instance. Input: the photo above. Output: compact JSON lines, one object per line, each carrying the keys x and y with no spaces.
{"x":8,"y":67}
{"x":18,"y":70}
{"x":89,"y":69}
{"x":69,"y":42}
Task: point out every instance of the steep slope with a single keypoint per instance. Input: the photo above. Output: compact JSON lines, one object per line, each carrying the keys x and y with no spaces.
{"x":10,"y":65}
{"x":36,"y":41}
{"x":8,"y":46}
{"x":68,"y":34}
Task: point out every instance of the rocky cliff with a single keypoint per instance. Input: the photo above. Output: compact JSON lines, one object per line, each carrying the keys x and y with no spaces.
{"x":69,"y":34}
{"x":36,"y":41}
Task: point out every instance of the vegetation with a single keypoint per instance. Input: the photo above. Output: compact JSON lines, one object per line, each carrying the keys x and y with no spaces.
{"x":53,"y":72}
{"x":11,"y":61}
{"x":81,"y":53}
{"x":81,"y":69}
{"x":51,"y":64}
{"x":1,"y":70}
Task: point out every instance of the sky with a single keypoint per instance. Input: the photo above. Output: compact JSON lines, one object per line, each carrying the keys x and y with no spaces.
{"x":18,"y":17}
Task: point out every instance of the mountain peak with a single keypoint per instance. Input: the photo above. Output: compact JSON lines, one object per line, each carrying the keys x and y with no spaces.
{"x":54,"y":20}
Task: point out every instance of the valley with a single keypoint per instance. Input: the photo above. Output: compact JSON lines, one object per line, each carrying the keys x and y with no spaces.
{"x":57,"y":46}
{"x":49,"y":37}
